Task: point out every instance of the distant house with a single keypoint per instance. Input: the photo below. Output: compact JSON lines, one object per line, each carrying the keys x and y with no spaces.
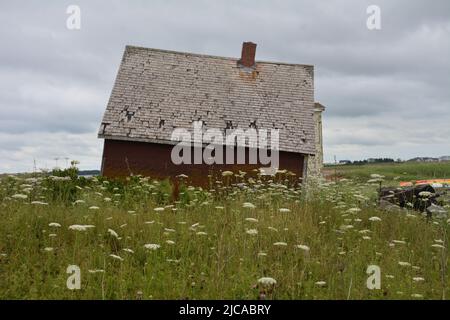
{"x":157,"y":91}
{"x":345,"y":162}
{"x":423,"y":159}
{"x":444,"y":158}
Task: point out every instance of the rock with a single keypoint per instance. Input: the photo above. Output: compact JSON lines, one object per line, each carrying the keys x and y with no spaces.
{"x":437,"y":211}
{"x":388,"y":206}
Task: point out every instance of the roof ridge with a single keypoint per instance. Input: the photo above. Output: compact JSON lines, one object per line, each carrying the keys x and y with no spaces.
{"x":213,"y":56}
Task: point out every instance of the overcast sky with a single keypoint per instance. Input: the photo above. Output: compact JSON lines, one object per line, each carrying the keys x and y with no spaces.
{"x":387,"y":91}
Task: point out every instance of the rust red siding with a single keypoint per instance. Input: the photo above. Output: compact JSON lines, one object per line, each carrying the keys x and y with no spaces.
{"x":121,"y":158}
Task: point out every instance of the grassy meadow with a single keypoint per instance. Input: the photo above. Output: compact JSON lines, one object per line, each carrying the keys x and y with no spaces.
{"x":244,"y":238}
{"x":404,"y":171}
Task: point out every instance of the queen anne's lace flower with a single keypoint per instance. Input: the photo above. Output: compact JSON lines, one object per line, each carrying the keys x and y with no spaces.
{"x":152,"y":246}
{"x":248,"y":205}
{"x":81,"y":227}
{"x":303,"y":247}
{"x":54,"y":224}
{"x":267,"y":281}
{"x":113,"y":233}
{"x":114,"y":256}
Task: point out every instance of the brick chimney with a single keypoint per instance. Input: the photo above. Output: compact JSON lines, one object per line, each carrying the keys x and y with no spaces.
{"x":248,"y":54}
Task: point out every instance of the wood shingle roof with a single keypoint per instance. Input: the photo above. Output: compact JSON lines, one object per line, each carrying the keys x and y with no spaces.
{"x":157,"y":91}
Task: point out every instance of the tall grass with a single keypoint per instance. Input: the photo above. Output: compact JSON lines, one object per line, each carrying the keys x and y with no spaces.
{"x":206,"y":249}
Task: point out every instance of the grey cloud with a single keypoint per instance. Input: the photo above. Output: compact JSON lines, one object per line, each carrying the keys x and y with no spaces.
{"x":386,"y":91}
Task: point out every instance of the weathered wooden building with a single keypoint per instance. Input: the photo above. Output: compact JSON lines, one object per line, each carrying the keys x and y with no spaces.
{"x":157,"y":91}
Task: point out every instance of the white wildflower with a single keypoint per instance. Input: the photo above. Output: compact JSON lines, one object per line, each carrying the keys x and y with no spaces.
{"x":248,"y":205}
{"x":116,"y":257}
{"x":96,"y":270}
{"x":418,"y":279}
{"x":303,"y":247}
{"x":321,"y":283}
{"x":267,"y":281}
{"x":425,"y":194}
{"x":152,"y":246}
{"x":195,"y":225}
{"x":54,"y":224}
{"x":80,"y":227}
{"x":113,"y":233}
{"x":262,"y":254}
{"x":19,"y":196}
{"x":39,"y":203}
